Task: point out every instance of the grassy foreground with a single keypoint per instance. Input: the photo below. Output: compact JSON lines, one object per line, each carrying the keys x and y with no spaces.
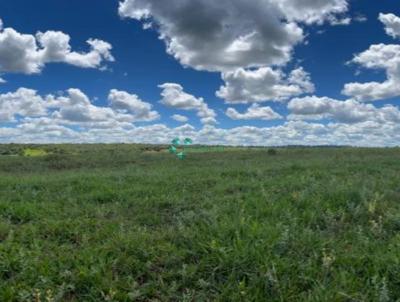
{"x":125,"y":223}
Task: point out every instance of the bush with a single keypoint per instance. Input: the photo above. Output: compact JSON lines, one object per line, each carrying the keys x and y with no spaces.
{"x":272,"y":152}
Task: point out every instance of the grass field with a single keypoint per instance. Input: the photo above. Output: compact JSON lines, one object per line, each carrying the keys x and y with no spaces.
{"x":128,"y":223}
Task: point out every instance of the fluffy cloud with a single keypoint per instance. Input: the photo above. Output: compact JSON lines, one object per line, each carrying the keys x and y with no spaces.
{"x":42,"y":130}
{"x":124,"y":102}
{"x":75,"y":108}
{"x":180,"y":118}
{"x":73,"y":118}
{"x":229,"y":34}
{"x":263,"y":84}
{"x":23,"y":102}
{"x":314,"y":11}
{"x":348,"y":112}
{"x":368,"y":133}
{"x":379,"y":56}
{"x":254,"y":112}
{"x":174,"y":96}
{"x":392,"y":24}
{"x":25,"y":53}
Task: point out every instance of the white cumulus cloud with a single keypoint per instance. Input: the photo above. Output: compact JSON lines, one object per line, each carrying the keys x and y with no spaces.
{"x":28,"y":54}
{"x":174,"y":96}
{"x":23,"y":102}
{"x":379,"y":56}
{"x":180,"y":118}
{"x":228,"y":34}
{"x":130,"y":103}
{"x":347,"y":112}
{"x":254,"y":112}
{"x":75,"y":108}
{"x":392,"y":24}
{"x":263,"y":84}
{"x":311,"y":11}
{"x":369,"y":133}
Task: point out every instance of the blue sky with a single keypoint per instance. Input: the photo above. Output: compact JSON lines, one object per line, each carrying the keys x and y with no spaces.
{"x":317,"y":112}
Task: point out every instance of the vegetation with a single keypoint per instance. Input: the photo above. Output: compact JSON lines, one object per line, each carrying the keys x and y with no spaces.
{"x":35,"y":152}
{"x":134,"y":223}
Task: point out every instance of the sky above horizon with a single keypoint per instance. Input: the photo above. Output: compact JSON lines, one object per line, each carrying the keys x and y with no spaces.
{"x":233,"y":72}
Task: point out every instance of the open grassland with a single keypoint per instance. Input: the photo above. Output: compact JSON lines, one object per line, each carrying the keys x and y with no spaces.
{"x":134,"y":223}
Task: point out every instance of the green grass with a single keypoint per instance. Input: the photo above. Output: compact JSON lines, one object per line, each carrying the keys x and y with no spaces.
{"x":34,"y":152}
{"x":120,"y":223}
